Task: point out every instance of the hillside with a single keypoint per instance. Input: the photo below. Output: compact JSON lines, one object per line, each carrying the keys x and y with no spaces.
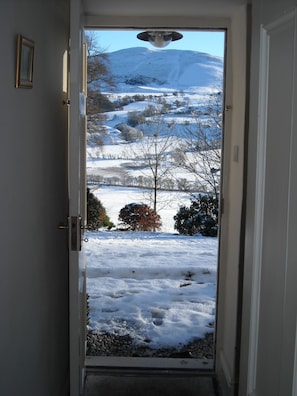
{"x":174,"y":82}
{"x":170,"y":93}
{"x":142,"y":70}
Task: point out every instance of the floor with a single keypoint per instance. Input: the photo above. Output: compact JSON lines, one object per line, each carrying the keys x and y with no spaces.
{"x":150,"y":385}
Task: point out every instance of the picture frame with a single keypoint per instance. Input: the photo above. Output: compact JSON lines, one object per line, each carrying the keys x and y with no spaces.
{"x":25,"y":62}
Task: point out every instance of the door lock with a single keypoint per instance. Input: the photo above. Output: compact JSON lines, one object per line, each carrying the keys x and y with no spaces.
{"x":75,"y":229}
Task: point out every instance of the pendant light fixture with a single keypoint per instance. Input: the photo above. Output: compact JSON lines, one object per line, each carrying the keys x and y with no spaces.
{"x":159,"y":38}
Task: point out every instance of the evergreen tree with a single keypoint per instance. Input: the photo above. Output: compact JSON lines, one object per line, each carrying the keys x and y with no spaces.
{"x":96,"y":213}
{"x":201,"y":217}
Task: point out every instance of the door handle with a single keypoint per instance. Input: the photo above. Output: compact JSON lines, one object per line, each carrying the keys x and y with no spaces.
{"x":75,"y":228}
{"x":63,"y":227}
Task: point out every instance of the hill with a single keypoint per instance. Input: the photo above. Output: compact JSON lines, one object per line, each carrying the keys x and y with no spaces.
{"x":142,"y":70}
{"x":164,"y":101}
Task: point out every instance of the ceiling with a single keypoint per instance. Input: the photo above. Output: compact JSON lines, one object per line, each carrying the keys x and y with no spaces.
{"x":174,"y":8}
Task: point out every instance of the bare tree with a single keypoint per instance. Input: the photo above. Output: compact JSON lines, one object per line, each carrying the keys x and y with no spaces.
{"x":98,"y":62}
{"x":200,"y":154}
{"x":154,"y":152}
{"x":98,"y":76}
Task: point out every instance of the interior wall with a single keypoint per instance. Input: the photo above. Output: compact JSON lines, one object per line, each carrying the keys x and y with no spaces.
{"x":33,"y":201}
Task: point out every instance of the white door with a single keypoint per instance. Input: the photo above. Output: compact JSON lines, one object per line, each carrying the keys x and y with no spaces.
{"x":272,"y":370}
{"x":77,"y":192}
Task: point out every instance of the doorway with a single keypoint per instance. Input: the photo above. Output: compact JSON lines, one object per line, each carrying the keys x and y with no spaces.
{"x":175,"y":130}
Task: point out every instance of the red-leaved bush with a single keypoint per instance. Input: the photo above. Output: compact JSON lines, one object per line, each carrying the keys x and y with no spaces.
{"x":139,"y":217}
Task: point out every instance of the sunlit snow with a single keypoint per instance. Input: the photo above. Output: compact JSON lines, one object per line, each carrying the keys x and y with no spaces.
{"x":160,"y":288}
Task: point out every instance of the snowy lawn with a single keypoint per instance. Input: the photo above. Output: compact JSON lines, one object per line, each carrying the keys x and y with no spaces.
{"x":160,"y":288}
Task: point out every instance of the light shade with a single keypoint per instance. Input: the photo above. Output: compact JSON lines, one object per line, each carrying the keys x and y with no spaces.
{"x":159,"y":38}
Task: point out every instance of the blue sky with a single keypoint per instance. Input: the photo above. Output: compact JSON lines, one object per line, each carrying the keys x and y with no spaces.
{"x":201,"y":41}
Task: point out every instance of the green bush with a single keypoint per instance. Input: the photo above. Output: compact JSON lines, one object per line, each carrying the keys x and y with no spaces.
{"x":96,"y":213}
{"x":201,"y":217}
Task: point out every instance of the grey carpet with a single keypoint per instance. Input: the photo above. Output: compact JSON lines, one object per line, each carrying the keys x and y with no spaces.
{"x":101,"y":385}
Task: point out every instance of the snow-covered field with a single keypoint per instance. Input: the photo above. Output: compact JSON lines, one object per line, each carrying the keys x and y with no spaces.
{"x":160,"y":288}
{"x":157,"y":287}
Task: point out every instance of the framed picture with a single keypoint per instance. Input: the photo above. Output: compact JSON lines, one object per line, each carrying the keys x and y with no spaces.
{"x":25,"y":60}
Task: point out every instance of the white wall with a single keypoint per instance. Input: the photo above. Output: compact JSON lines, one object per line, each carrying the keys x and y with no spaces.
{"x":33,"y":200}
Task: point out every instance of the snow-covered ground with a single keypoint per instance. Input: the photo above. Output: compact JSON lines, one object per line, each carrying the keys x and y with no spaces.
{"x":160,"y":288}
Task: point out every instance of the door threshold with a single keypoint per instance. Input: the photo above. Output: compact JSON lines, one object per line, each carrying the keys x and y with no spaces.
{"x":147,"y":364}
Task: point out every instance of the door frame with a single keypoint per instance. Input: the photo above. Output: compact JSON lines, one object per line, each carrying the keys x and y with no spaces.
{"x":167,"y":363}
{"x":235,"y":26}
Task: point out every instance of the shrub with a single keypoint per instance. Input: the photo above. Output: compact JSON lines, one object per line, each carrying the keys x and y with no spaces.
{"x":98,"y":103}
{"x":139,"y":217}
{"x":96,"y":213}
{"x":135,"y":118}
{"x":201,"y":217}
{"x":129,"y":133}
{"x":150,"y":111}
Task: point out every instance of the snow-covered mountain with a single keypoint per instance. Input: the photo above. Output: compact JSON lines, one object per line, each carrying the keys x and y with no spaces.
{"x":149,"y":70}
{"x":175,"y":83}
{"x":158,"y":93}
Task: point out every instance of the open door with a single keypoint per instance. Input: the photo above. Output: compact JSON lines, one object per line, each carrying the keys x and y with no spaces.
{"x":77,"y":202}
